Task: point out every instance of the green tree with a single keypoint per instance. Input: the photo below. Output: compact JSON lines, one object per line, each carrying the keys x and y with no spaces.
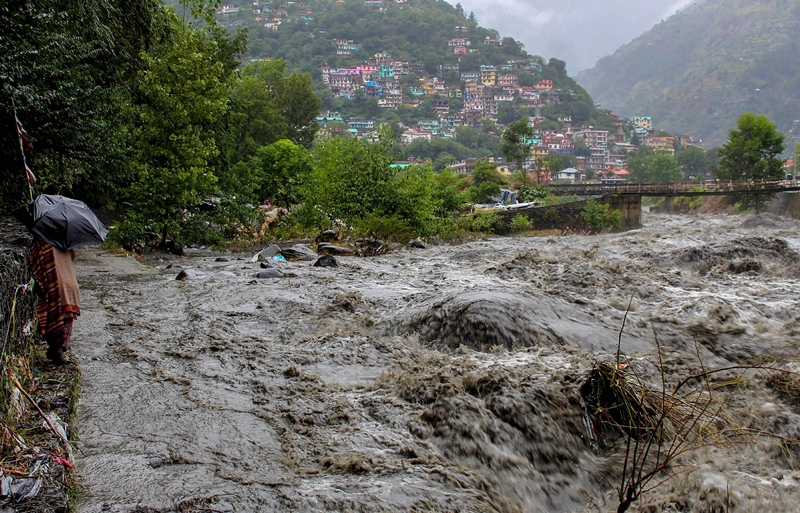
{"x":486,"y":182}
{"x":599,"y":217}
{"x":448,"y":194}
{"x":693,"y":162}
{"x":269,"y":104}
{"x":515,"y":144}
{"x":353,"y":179}
{"x":663,"y":169}
{"x":284,"y":169}
{"x":752,"y":150}
{"x":468,"y":136}
{"x":184,"y":92}
{"x":70,"y":69}
{"x":506,"y":113}
{"x":639,"y":163}
{"x":442,"y":161}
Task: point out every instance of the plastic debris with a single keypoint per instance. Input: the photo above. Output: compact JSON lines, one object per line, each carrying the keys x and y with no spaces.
{"x":62,"y":461}
{"x":279,"y":258}
{"x":24,"y":488}
{"x":58,"y":424}
{"x":5,"y":486}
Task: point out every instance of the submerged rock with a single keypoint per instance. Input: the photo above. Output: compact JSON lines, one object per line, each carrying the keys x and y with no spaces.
{"x":326,"y":261}
{"x":190,"y":274}
{"x":483,"y":320}
{"x":270,"y":273}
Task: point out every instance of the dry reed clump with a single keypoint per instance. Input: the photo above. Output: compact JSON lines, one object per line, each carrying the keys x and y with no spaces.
{"x":663,"y":427}
{"x":656,"y":426}
{"x":786,"y":385}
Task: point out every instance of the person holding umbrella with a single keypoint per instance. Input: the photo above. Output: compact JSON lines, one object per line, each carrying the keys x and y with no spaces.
{"x":59,"y":225}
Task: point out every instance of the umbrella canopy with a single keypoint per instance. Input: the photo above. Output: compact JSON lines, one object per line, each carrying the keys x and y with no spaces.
{"x":64,"y":222}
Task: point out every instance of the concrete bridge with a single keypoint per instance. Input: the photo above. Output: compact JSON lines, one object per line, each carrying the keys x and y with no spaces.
{"x":675,"y":189}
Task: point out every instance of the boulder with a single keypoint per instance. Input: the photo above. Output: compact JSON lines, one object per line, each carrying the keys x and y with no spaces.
{"x":266,"y":253}
{"x":190,"y":274}
{"x":221,"y":259}
{"x":416,"y":243}
{"x":326,"y":261}
{"x":327,"y":236}
{"x":326,"y":248}
{"x":299,"y":252}
{"x":371,"y":246}
{"x":269,"y":273}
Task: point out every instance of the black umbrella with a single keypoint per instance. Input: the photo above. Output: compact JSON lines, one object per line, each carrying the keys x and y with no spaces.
{"x":64,"y":222}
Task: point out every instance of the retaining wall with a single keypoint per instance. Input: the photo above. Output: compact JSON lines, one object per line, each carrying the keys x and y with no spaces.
{"x":568,"y":215}
{"x":17,"y":315}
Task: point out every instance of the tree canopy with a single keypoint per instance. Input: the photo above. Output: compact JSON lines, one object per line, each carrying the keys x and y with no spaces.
{"x":515,"y":144}
{"x":752,"y":151}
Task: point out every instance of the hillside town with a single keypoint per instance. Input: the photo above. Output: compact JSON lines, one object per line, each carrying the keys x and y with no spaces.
{"x":462,"y":97}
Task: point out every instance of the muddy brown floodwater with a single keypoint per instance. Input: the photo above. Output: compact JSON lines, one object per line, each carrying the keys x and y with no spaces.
{"x":437,"y":380}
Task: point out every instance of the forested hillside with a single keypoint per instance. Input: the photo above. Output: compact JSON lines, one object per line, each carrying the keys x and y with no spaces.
{"x":699,"y":70}
{"x":418,"y":35}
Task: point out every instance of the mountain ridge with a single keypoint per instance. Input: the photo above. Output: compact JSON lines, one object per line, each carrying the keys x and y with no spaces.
{"x":697,"y":71}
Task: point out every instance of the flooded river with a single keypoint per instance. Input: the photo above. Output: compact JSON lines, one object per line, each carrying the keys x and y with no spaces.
{"x":444,"y":379}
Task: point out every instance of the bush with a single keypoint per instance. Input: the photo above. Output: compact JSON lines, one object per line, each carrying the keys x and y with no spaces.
{"x":135,"y":233}
{"x":482,"y":222}
{"x":521,"y":223}
{"x":598,"y":216}
{"x":384,"y":228}
{"x":532,"y":193}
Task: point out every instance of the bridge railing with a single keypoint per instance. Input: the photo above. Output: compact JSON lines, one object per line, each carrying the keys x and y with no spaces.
{"x":674,"y":189}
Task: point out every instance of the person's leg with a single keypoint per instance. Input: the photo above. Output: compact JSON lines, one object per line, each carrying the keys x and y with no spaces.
{"x":67,"y":333}
{"x":58,"y":344}
{"x":54,"y":344}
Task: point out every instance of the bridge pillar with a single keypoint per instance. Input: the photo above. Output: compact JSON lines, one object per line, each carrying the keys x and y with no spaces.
{"x":630,"y":209}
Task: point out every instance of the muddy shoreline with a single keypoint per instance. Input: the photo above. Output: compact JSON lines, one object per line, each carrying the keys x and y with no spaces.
{"x":439,"y":379}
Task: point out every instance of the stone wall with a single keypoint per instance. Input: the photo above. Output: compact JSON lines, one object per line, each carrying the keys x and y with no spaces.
{"x":568,"y":215}
{"x":17,"y":315}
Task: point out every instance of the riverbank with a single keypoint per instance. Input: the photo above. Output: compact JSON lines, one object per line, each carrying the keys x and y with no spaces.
{"x":444,"y":379}
{"x":38,"y":399}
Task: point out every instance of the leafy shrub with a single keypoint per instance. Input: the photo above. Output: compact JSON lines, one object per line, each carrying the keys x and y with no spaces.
{"x":520,"y":223}
{"x":482,"y":222}
{"x":551,"y":217}
{"x":391,"y":228}
{"x":198,"y":230}
{"x":532,"y":193}
{"x":135,"y":233}
{"x":599,"y":217}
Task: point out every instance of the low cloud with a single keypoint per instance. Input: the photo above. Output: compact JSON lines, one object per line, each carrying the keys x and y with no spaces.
{"x":577,"y":31}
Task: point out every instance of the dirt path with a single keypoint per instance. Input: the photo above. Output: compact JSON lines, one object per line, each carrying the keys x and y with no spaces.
{"x":444,"y":379}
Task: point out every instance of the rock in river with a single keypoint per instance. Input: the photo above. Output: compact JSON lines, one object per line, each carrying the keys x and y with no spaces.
{"x":327,"y":236}
{"x":326,"y":248}
{"x":190,"y":274}
{"x":270,"y":273}
{"x":299,"y":252}
{"x":326,"y":261}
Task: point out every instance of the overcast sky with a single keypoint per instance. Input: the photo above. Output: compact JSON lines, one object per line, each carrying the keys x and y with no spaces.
{"x":577,"y":31}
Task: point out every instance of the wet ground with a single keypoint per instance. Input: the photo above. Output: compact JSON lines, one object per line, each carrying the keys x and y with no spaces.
{"x":439,"y":379}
